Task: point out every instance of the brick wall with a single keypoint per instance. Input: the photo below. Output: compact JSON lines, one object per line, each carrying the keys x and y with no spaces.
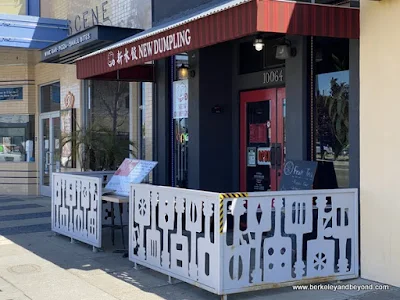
{"x":18,"y":70}
{"x":23,"y":68}
{"x":86,"y":13}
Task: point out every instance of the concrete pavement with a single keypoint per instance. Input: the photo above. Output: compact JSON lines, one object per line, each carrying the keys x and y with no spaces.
{"x":37,"y":264}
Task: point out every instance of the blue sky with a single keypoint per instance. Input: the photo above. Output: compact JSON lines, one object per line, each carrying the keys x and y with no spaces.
{"x":324,"y":80}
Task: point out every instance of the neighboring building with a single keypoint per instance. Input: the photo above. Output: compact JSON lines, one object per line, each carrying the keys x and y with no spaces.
{"x":380,"y":140}
{"x":51,"y":91}
{"x":23,"y":32}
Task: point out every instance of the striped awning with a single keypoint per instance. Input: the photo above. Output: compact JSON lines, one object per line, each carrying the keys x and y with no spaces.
{"x":231,"y":20}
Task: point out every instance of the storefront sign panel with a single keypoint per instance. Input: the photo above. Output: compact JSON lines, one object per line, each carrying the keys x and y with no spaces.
{"x":148,"y":49}
{"x":15,"y":93}
{"x":181,"y":99}
{"x":67,"y":45}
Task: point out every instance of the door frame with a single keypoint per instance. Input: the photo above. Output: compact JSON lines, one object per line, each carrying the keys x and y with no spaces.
{"x":276,"y":96}
{"x":46,"y":190}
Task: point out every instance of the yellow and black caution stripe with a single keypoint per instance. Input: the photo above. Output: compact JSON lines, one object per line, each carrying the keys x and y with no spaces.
{"x":233,"y":195}
{"x":221,"y":206}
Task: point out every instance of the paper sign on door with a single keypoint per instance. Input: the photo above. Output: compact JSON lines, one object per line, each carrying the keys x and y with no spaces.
{"x":264,"y":156}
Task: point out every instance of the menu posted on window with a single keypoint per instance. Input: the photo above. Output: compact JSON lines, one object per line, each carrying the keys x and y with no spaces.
{"x":181,"y":99}
{"x":130,"y":171}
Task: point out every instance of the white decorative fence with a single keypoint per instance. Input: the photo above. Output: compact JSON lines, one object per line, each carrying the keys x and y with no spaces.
{"x":230,"y":243}
{"x":76,"y":209}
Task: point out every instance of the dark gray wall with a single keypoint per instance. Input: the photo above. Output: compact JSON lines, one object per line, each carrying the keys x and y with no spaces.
{"x":165,"y":9}
{"x":210,"y":142}
{"x":297,"y":101}
{"x":161,"y":127}
{"x":354,"y":114}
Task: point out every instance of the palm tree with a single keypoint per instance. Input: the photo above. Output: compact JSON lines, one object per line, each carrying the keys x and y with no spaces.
{"x":99,"y":148}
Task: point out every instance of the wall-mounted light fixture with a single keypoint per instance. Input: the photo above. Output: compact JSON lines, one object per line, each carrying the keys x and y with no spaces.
{"x":284,"y":50}
{"x":318,"y":56}
{"x":259,"y":44}
{"x":183,"y":72}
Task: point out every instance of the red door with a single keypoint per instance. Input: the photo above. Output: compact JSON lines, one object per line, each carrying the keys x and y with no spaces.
{"x":261,"y":139}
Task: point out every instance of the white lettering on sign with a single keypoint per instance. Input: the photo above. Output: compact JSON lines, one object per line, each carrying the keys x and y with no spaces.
{"x":68,"y":44}
{"x":148,"y":49}
{"x":274,"y":76}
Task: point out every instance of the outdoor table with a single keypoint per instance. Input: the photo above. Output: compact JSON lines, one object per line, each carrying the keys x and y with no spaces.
{"x":120,"y":200}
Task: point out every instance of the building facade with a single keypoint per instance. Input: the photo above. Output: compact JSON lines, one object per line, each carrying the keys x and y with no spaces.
{"x":43,"y":99}
{"x":208,"y":123}
{"x":380,"y":243}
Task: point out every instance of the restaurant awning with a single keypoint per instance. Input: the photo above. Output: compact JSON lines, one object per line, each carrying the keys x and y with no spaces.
{"x":84,"y":42}
{"x":231,"y":20}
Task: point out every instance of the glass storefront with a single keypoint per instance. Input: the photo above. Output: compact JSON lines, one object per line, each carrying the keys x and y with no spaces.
{"x":180,"y":106}
{"x":106,"y":131}
{"x":17,"y":134}
{"x":50,"y":97}
{"x":332,"y":105}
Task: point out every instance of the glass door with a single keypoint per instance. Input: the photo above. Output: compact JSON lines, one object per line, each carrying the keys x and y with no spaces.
{"x":50,"y":133}
{"x":261,"y":139}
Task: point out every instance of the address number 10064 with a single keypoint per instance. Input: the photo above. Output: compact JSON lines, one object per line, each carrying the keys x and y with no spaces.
{"x":273,"y":76}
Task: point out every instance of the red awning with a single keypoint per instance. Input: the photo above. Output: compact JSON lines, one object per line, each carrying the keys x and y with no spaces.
{"x":232,"y":20}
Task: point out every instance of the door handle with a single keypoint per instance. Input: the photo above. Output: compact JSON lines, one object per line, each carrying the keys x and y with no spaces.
{"x":278,"y":150}
{"x":273,"y":156}
{"x":47,"y":158}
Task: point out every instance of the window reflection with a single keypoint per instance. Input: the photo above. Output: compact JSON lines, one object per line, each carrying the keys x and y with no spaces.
{"x":332,"y":106}
{"x":107,"y":133}
{"x":180,"y":125}
{"x":17,"y":133}
{"x":50,"y":97}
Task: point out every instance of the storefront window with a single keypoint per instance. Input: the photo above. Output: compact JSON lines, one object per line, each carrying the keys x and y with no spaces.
{"x":17,"y":134}
{"x":50,"y":97}
{"x":106,"y":132}
{"x":332,"y":106}
{"x":180,"y":110}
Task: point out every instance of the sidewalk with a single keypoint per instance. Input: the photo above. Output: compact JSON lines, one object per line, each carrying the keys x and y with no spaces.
{"x":36,"y":264}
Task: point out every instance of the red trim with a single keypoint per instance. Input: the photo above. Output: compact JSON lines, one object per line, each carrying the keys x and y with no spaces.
{"x":203,"y":33}
{"x":281,"y":95}
{"x":308,"y":19}
{"x":246,"y":19}
{"x":142,"y":73}
{"x":246,"y":97}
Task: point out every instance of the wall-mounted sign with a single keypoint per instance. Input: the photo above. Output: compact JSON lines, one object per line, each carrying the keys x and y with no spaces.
{"x":68,"y":44}
{"x":276,"y":76}
{"x":15,"y":93}
{"x":181,"y":99}
{"x":69,"y":100}
{"x":96,"y":15}
{"x":149,"y":49}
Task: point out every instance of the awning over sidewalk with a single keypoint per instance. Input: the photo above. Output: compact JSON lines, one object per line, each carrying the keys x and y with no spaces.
{"x":224,"y":22}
